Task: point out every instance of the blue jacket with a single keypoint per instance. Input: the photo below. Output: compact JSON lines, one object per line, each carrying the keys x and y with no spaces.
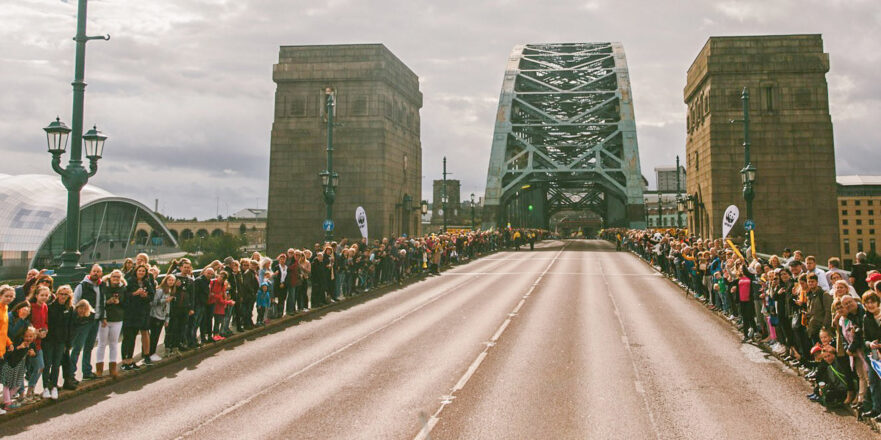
{"x":263,"y":296}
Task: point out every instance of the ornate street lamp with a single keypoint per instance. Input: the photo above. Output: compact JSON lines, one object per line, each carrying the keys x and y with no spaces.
{"x":424,"y":206}
{"x":75,"y":176}
{"x":473,"y":226}
{"x":329,"y":178}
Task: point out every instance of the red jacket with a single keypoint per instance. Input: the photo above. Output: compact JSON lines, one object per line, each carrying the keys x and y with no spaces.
{"x":39,"y":319}
{"x":218,"y":291}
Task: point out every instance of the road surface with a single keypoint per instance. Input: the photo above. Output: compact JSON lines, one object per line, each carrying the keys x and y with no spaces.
{"x":572,"y":340}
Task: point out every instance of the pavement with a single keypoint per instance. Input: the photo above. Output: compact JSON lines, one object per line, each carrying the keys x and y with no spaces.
{"x":572,"y":340}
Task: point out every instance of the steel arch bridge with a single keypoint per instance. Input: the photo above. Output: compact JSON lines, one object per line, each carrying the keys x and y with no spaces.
{"x":565,"y":138}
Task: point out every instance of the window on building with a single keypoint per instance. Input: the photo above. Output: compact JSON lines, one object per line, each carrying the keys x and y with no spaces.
{"x":844,"y":203}
{"x":871,"y":232}
{"x":697,"y":161}
{"x":869,"y":202}
{"x":872,"y":246}
{"x":856,"y":203}
{"x":844,"y":232}
{"x":859,"y":222}
{"x":846,"y":246}
{"x":871,"y":221}
{"x":860,"y":245}
{"x":844,"y":222}
{"x":871,"y":212}
{"x":769,"y":98}
{"x":843,"y":212}
{"x":859,"y":212}
{"x":859,"y":232}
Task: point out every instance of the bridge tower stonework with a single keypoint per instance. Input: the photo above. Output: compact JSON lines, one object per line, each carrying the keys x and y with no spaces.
{"x":377,"y":149}
{"x":791,"y":140}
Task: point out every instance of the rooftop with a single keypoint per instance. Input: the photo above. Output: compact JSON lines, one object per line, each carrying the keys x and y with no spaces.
{"x":858,"y":180}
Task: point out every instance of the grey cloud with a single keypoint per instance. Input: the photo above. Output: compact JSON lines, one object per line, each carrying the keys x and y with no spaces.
{"x":184,"y":87}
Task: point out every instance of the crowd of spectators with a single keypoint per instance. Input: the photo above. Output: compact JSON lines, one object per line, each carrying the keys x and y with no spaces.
{"x":825,"y":322}
{"x":48,"y":333}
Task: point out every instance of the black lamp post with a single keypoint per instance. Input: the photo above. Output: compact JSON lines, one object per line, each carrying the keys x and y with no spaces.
{"x":748,"y":173}
{"x":473,"y":226}
{"x":329,"y":178}
{"x":75,"y":176}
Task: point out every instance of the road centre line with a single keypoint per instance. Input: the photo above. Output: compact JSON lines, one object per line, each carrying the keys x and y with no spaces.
{"x":339,"y":350}
{"x":425,"y":432}
{"x":637,"y":384}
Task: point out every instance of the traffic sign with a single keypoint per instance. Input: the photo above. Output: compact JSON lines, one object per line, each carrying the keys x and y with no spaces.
{"x":327,"y":225}
{"x":749,"y":225}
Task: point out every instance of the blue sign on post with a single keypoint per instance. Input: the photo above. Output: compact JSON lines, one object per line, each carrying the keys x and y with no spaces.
{"x":749,"y":225}
{"x":328,"y":225}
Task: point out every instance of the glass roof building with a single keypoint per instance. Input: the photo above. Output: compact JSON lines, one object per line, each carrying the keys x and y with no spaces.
{"x":33,"y":217}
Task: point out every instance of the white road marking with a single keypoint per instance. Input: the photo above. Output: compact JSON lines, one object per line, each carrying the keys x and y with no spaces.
{"x":339,"y":350}
{"x":425,"y":432}
{"x":637,"y":383}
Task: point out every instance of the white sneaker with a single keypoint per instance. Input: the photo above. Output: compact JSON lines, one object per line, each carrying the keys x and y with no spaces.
{"x":2,"y":411}
{"x":54,"y":394}
{"x":45,"y":394}
{"x":155,"y":358}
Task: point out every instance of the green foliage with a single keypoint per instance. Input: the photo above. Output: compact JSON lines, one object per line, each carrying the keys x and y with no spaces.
{"x":214,"y":248}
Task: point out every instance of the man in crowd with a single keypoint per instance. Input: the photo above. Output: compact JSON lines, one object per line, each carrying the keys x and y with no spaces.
{"x":819,"y":308}
{"x":84,"y":339}
{"x":858,"y":275}
{"x":811,"y":267}
{"x":203,"y":311}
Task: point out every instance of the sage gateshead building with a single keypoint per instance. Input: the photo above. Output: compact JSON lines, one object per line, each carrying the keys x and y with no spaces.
{"x":32,"y":224}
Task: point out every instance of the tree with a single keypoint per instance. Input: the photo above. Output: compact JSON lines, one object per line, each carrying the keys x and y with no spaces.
{"x":214,"y":248}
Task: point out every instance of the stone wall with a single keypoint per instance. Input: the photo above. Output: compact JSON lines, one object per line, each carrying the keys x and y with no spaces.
{"x":377,"y":149}
{"x":791,"y":140}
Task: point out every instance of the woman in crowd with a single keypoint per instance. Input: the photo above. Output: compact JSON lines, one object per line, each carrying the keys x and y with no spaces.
{"x":40,"y":321}
{"x":159,"y":315}
{"x":301,"y":292}
{"x":113,"y":291}
{"x":138,"y":294}
{"x":872,"y":343}
{"x":128,"y":266}
{"x":57,"y":340}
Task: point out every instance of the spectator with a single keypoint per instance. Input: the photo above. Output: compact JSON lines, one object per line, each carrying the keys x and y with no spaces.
{"x":84,"y":339}
{"x":40,"y":321}
{"x":203,"y":311}
{"x":159,"y":316}
{"x":58,"y":339}
{"x":113,"y":290}
{"x":13,"y":369}
{"x":219,"y":299}
{"x":139,"y":293}
{"x":264,"y":300}
{"x":860,"y":272}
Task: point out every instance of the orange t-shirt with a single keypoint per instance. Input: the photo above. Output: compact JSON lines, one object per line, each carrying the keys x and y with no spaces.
{"x":4,"y":329}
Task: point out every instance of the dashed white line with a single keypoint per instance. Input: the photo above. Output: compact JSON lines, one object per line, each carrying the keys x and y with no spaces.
{"x":425,"y":432}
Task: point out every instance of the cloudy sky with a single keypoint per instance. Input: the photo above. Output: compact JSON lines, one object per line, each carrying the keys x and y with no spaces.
{"x":184,"y":87}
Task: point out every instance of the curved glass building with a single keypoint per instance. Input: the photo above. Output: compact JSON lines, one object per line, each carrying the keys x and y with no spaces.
{"x":32,"y":224}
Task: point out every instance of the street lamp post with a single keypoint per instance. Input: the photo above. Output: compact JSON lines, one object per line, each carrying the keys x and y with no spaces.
{"x":329,"y":178}
{"x":678,"y":197}
{"x":660,"y":210}
{"x":444,"y":197}
{"x":748,"y":173}
{"x":75,"y":176}
{"x":473,"y":228}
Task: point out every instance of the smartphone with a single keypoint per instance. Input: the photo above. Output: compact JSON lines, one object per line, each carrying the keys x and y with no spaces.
{"x":50,"y":272}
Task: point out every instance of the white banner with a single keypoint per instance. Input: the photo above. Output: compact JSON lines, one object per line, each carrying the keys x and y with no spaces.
{"x":729,"y":219}
{"x":361,"y":219}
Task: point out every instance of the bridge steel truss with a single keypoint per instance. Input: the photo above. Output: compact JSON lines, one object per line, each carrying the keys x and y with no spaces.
{"x":565,"y":138}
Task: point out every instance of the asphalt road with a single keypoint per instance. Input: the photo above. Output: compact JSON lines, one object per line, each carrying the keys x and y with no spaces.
{"x":572,"y":340}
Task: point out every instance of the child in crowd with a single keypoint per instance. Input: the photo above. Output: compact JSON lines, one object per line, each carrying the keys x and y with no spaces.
{"x":220,"y":299}
{"x":14,"y":366}
{"x":264,"y":296}
{"x":40,"y":322}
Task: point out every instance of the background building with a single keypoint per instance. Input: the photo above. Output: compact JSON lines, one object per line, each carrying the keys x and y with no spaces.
{"x":666,"y":177}
{"x":791,"y":132}
{"x":669,"y":210}
{"x":33,"y":218}
{"x":859,"y":204}
{"x":377,"y":152}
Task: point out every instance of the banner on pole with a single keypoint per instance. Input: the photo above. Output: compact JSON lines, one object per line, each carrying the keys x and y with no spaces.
{"x":728,"y":220}
{"x":361,"y":219}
